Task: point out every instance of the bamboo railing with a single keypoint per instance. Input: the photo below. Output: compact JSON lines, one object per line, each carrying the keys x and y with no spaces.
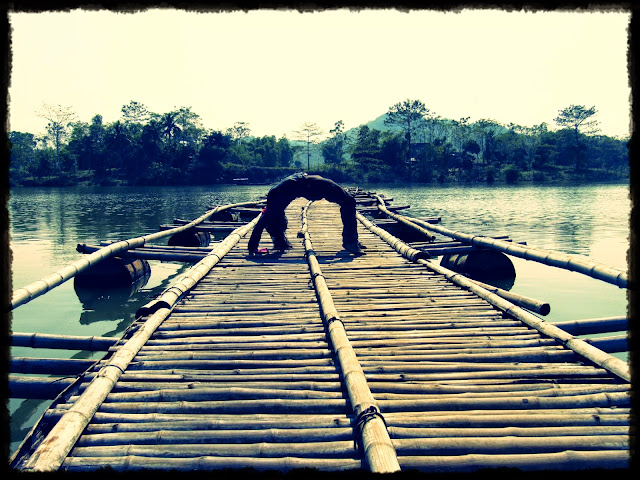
{"x":555,"y":259}
{"x":33,"y":290}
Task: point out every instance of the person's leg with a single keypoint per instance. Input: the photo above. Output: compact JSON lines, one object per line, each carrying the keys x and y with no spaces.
{"x":276,"y":228}
{"x":347,"y":203}
{"x":323,"y":188}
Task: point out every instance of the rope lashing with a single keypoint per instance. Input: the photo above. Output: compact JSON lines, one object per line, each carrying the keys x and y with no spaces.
{"x":362,"y":418}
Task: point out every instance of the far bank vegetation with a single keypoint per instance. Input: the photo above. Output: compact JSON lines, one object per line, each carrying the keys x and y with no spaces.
{"x":409,"y":143}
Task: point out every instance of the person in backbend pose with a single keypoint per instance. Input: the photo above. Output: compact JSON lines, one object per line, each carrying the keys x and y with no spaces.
{"x":311,"y":187}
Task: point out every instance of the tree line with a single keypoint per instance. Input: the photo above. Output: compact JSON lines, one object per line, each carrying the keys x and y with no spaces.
{"x":412,"y":144}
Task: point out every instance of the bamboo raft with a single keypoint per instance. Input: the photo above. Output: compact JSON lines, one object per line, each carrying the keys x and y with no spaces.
{"x":319,"y":359}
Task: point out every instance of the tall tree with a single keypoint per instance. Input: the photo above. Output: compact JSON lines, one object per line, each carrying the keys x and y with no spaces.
{"x":239,"y":131}
{"x":365,"y":148}
{"x":333,"y":149}
{"x":485,"y":130}
{"x":118,"y":145}
{"x":284,"y":152}
{"x":577,"y":118}
{"x":59,"y":120}
{"x":308,"y":132}
{"x":22,"y":156}
{"x":408,"y":115}
{"x":135,"y":112}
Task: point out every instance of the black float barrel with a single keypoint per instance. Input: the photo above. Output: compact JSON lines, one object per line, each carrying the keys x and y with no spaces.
{"x":484,"y":264}
{"x":190,"y":238}
{"x":113,"y":271}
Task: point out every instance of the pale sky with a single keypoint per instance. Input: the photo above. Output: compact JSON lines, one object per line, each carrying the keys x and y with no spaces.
{"x":278,"y":69}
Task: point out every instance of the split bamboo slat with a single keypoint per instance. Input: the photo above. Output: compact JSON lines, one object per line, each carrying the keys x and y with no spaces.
{"x":316,"y":358}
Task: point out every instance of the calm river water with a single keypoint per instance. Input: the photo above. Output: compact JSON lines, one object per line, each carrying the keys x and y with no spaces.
{"x":48,"y":223}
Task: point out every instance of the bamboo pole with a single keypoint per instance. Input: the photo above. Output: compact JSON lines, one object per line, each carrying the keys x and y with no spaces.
{"x":567,"y":460}
{"x":546,"y":392}
{"x":555,"y":259}
{"x":509,"y":445}
{"x":33,"y":290}
{"x":300,"y":449}
{"x":152,"y":385}
{"x":146,"y":254}
{"x":52,"y":451}
{"x":186,"y":435}
{"x":122,"y":462}
{"x":617,"y":343}
{"x":586,"y":416}
{"x":400,"y":425}
{"x":52,"y":366}
{"x":213,"y":393}
{"x":69,"y":342}
{"x":594,"y":325}
{"x":523,"y":301}
{"x":621,"y":399}
{"x":152,"y":422}
{"x":241,"y":407}
{"x":37,"y":387}
{"x":372,"y":432}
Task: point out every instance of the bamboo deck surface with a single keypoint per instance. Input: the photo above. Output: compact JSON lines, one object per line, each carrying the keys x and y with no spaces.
{"x":241,"y":374}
